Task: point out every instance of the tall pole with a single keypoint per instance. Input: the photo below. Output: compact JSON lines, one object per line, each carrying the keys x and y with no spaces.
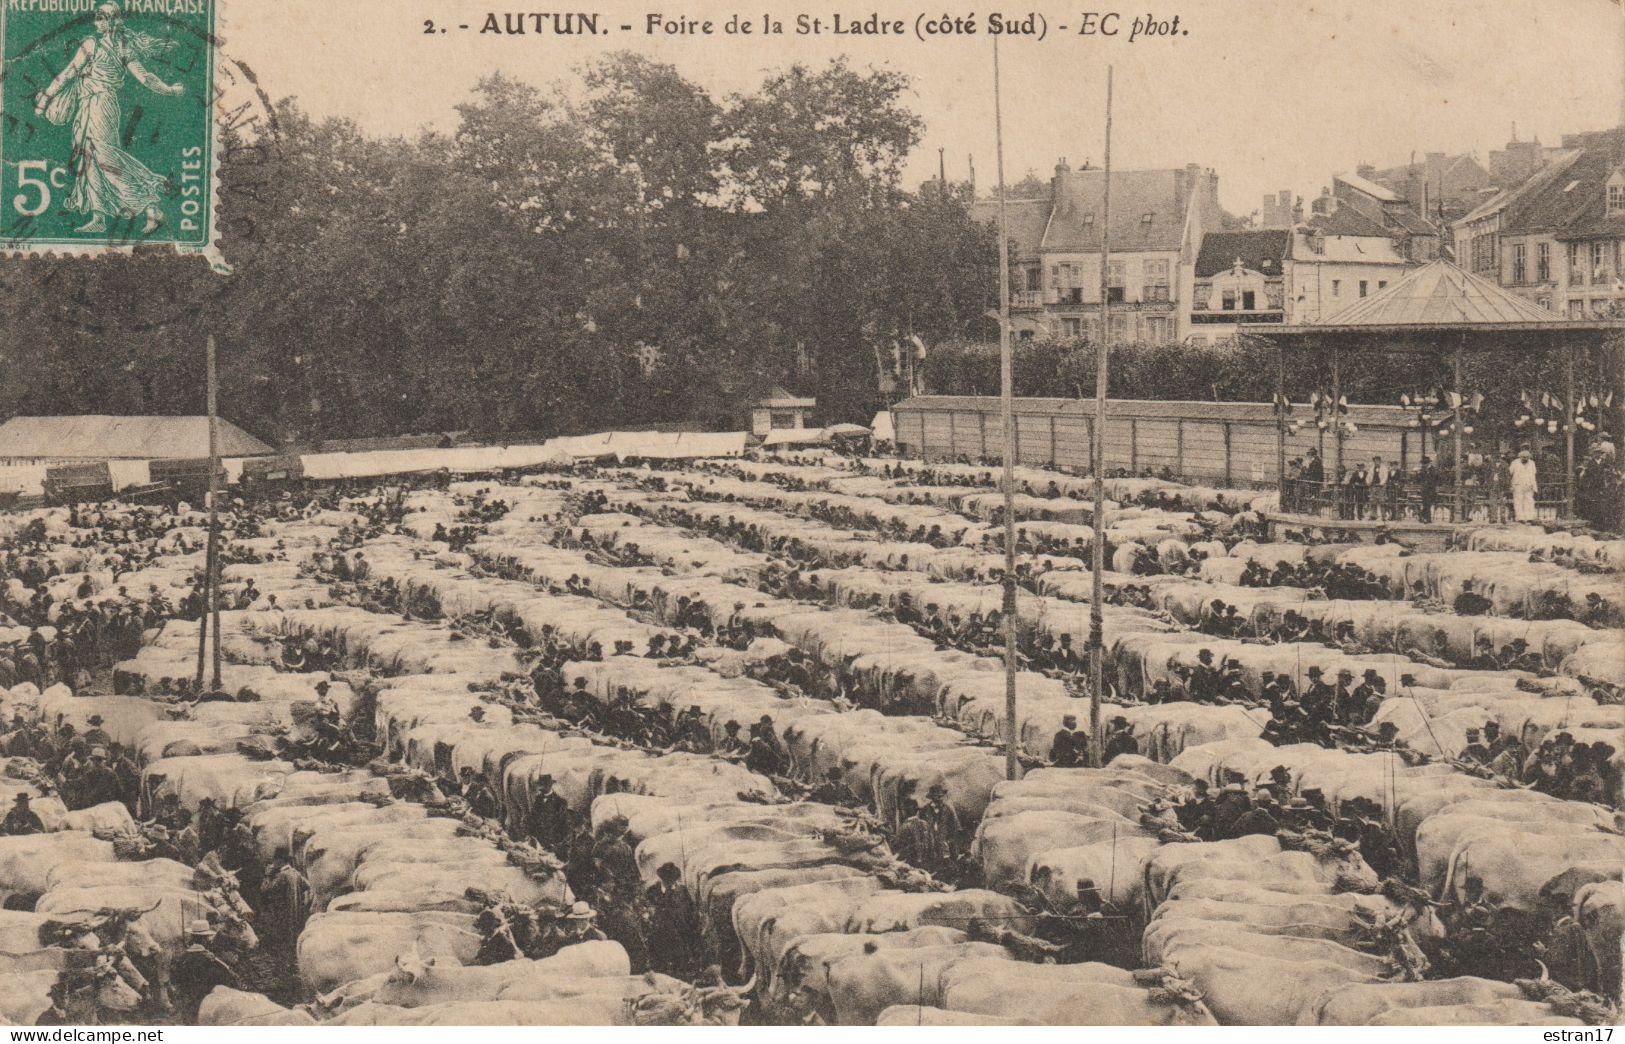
{"x":1097,"y":647}
{"x":214,"y":511}
{"x":1007,"y":411}
{"x":1280,"y":426}
{"x":1456,"y":513}
{"x":1568,"y":433}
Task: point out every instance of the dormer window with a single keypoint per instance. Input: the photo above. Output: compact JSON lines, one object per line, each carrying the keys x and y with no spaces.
{"x":1147,"y":217}
{"x":1088,"y":217}
{"x":1616,"y":193}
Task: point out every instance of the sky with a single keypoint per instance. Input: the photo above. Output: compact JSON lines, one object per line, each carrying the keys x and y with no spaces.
{"x":1271,"y":94}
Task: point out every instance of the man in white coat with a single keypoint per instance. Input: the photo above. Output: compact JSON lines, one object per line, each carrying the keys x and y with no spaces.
{"x":1521,"y":474}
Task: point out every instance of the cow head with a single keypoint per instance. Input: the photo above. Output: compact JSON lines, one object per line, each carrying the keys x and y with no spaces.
{"x":412,"y":967}
{"x":1166,"y":986}
{"x":112,"y":992}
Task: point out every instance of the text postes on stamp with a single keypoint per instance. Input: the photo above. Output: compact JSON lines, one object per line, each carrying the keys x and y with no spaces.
{"x":107,"y":134}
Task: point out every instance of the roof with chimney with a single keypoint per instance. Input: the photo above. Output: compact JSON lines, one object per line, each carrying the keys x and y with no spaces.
{"x":1261,"y":250}
{"x":1027,"y":220}
{"x":1148,"y":211}
{"x":1381,"y":193}
{"x":1346,"y":221}
{"x":1563,"y":197}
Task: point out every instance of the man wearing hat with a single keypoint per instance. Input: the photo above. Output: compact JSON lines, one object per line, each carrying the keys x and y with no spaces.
{"x":1521,"y":476}
{"x":1317,"y":698}
{"x":1475,"y":753}
{"x":943,"y":818}
{"x":95,"y":783}
{"x":1063,"y":749}
{"x":832,"y":790}
{"x":198,"y":970}
{"x":674,"y":926}
{"x":612,"y":858}
{"x":477,"y":792}
{"x":21,"y":819}
{"x":1345,"y":706}
{"x":1469,"y":602}
{"x":282,"y":905}
{"x":1259,"y":819}
{"x":732,"y":745}
{"x":578,"y":925}
{"x":545,"y":820}
{"x":1119,"y":740}
{"x":765,"y":756}
{"x":95,"y":735}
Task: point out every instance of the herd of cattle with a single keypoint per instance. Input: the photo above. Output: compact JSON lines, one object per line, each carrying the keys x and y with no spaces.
{"x":801,"y":900}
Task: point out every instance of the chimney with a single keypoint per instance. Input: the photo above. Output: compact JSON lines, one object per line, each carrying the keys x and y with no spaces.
{"x":1062,"y":168}
{"x":1366,"y":171}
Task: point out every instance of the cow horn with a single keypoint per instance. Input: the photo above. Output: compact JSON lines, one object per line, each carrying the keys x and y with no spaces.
{"x":748,"y":988}
{"x":1545,"y":973}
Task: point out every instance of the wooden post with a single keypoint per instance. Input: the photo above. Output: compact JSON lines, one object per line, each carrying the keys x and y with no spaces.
{"x":1134,"y":445}
{"x":1053,"y":453}
{"x":1179,"y":444}
{"x":1016,"y":441}
{"x":1097,"y":648}
{"x":1229,"y":479}
{"x":981,"y":435}
{"x":214,"y":511}
{"x":1568,"y":436}
{"x":1337,"y":418}
{"x":1455,"y":381}
{"x":1012,"y":734}
{"x":953,"y":434}
{"x":1280,"y":423}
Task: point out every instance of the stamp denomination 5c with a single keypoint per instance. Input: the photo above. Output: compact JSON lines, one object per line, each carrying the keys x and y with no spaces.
{"x":107,"y":134}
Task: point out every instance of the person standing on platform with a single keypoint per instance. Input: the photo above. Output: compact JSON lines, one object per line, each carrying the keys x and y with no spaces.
{"x":1521,"y":474}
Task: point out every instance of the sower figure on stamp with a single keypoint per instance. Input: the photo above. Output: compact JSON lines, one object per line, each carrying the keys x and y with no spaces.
{"x":107,"y":179}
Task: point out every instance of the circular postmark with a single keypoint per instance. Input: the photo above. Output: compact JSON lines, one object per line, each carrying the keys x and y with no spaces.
{"x":117,"y":275}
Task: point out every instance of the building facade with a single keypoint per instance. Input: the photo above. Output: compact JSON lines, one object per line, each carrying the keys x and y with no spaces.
{"x":1158,"y":220}
{"x":1557,"y":237}
{"x":1293,"y":275}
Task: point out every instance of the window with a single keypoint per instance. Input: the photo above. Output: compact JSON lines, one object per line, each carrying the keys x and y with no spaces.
{"x":1147,"y":217}
{"x":1248,"y":301}
{"x":1115,"y":277}
{"x":1599,"y":261}
{"x":1156,"y":329}
{"x":1577,"y":309}
{"x":1616,"y":197}
{"x":1156,"y":281}
{"x":1382,"y":284}
{"x":1024,"y":335}
{"x":1518,"y":257}
{"x":1072,"y":327}
{"x":1545,"y":301}
{"x":1117,"y":329}
{"x":1229,"y":303}
{"x":1599,"y":306}
{"x":1543,"y":262}
{"x":1364,"y":286}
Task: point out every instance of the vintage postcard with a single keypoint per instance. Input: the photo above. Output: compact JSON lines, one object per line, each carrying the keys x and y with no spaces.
{"x":791,"y":514}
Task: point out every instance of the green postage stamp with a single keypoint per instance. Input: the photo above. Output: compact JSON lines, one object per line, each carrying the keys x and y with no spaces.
{"x":107,"y":128}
